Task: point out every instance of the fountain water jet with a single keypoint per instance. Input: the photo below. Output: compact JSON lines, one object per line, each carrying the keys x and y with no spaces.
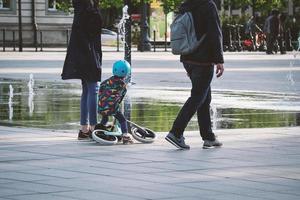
{"x":30,"y":94}
{"x":10,"y":102}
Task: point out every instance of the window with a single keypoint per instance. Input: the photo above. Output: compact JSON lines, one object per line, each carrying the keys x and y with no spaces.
{"x":58,"y":7}
{"x":52,"y":5}
{"x":5,"y":5}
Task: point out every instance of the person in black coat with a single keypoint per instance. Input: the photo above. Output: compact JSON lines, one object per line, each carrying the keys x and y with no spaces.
{"x":272,"y":31}
{"x":200,"y":68}
{"x":84,"y":59}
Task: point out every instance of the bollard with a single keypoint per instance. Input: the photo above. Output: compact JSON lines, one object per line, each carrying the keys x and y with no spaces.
{"x":288,"y":40}
{"x":35,"y":38}
{"x":36,"y":43}
{"x":238,"y":37}
{"x":4,"y":39}
{"x":230,"y":38}
{"x":234,"y":37}
{"x":41,"y":40}
{"x":165,"y":41}
{"x":154,"y":39}
{"x":14,"y":40}
{"x":118,"y":41}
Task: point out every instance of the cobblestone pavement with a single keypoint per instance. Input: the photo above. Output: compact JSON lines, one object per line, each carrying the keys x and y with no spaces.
{"x":262,"y":164}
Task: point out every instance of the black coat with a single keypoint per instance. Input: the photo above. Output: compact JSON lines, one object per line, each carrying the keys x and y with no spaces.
{"x":206,"y":20}
{"x":84,"y":54}
{"x":274,"y":25}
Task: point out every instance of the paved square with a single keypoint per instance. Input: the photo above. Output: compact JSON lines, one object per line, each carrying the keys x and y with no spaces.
{"x":253,"y":164}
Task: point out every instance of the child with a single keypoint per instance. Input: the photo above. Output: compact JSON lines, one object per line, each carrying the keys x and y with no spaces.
{"x":111,"y":94}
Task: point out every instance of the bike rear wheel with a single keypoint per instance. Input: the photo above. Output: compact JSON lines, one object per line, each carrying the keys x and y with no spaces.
{"x":103,"y":139}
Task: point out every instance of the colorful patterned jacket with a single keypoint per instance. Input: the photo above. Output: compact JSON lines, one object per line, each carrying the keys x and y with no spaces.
{"x":111,"y":93}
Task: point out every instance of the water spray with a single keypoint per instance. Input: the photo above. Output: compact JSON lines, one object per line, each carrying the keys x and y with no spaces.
{"x":10,"y":102}
{"x":30,"y":94}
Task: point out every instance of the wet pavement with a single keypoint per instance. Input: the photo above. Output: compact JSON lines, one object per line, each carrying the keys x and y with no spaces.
{"x":256,"y":90}
{"x":55,"y":105}
{"x":244,"y":71}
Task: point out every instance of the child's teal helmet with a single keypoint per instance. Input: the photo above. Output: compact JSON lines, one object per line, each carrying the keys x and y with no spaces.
{"x":121,"y":68}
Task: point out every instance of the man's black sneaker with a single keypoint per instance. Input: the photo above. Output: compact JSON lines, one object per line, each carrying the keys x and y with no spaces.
{"x":177,"y":142}
{"x":211,"y":144}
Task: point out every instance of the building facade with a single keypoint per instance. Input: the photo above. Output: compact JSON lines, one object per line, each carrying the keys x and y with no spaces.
{"x":40,"y":21}
{"x":43,"y":23}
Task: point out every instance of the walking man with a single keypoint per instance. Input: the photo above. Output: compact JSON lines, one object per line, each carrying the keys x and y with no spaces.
{"x":199,"y":66}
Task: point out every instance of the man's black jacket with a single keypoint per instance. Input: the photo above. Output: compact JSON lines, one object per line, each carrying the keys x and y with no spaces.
{"x":206,"y":20}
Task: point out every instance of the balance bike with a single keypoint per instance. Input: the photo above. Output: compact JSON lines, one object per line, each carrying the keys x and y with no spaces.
{"x":113,"y":134}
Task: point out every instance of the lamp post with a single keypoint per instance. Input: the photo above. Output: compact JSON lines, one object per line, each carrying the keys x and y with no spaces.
{"x":253,"y":8}
{"x":34,"y":25}
{"x":144,"y":44}
{"x":20,"y":26}
{"x":127,"y":53}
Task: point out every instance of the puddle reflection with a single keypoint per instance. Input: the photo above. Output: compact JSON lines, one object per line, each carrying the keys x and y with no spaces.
{"x":56,"y":106}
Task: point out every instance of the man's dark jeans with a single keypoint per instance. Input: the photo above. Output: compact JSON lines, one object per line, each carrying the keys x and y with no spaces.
{"x":199,"y":101}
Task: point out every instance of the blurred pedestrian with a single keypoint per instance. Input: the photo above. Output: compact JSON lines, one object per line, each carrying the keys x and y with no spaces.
{"x":199,"y":66}
{"x":251,"y":29}
{"x":84,"y":59}
{"x":282,"y":33}
{"x":271,"y":29}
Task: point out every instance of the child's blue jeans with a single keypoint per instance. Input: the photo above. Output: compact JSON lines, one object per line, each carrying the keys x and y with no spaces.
{"x":121,"y":119}
{"x":88,"y":104}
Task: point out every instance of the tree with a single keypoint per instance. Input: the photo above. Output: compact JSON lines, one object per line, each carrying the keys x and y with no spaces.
{"x":263,"y":6}
{"x":170,"y":5}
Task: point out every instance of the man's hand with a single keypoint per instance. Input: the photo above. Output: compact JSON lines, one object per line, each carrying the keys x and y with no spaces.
{"x":219,"y":70}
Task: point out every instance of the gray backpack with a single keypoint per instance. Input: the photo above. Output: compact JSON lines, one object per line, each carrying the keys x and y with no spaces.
{"x":183,"y":36}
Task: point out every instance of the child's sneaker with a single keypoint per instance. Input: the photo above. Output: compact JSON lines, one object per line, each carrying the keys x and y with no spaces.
{"x":119,"y":138}
{"x":127,"y":139}
{"x":104,"y":127}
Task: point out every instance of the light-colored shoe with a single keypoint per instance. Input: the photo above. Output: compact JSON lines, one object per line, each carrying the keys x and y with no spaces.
{"x":211,"y":144}
{"x":127,"y":139}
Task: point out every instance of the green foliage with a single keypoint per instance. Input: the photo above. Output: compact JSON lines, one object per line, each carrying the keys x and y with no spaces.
{"x":225,"y":19}
{"x":263,"y":6}
{"x":64,"y":5}
{"x":170,"y":5}
{"x":237,"y":3}
{"x":110,"y":3}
